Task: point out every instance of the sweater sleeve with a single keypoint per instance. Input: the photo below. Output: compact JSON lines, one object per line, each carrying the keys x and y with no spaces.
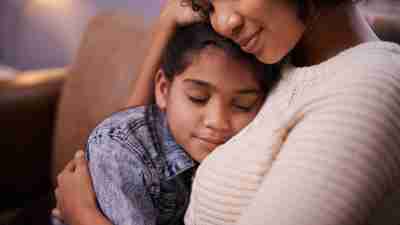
{"x":338,"y":162}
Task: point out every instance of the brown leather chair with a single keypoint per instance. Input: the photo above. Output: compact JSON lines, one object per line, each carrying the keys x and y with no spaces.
{"x":98,"y":83}
{"x":27,"y":109}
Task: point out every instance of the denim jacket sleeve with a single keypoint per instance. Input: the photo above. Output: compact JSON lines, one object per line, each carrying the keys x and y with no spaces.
{"x":120,"y":180}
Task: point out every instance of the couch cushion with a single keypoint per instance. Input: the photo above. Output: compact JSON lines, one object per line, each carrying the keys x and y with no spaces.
{"x":100,"y":80}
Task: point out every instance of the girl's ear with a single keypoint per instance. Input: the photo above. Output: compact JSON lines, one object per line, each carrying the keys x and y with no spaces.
{"x":162,"y":85}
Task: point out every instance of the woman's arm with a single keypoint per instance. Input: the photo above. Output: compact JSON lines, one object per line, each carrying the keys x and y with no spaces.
{"x":172,"y":15}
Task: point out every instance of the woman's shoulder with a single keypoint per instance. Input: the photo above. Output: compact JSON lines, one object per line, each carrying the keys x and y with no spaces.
{"x":370,"y":68}
{"x":368,"y":59}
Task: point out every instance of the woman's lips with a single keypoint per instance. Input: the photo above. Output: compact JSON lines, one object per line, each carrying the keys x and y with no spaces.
{"x":250,"y":45}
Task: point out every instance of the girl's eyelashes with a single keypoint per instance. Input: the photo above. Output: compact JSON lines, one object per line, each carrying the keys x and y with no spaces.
{"x":246,"y":104}
{"x":236,"y":107}
{"x":243,"y":108}
{"x":198,"y":99}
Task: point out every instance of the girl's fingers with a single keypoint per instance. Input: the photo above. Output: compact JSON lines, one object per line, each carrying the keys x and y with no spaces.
{"x":70,"y":167}
{"x":56,"y":213}
{"x":56,"y":193}
{"x":80,"y":161}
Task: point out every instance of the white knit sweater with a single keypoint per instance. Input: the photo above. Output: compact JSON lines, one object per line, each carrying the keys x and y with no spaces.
{"x":336,"y":163}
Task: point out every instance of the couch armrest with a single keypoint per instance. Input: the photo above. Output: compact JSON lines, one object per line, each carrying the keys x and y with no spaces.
{"x":27,"y":110}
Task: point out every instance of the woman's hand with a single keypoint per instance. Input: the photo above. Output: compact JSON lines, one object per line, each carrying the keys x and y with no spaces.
{"x":179,"y":13}
{"x":74,"y":193}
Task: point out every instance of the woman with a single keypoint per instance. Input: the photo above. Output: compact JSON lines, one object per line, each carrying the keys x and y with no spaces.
{"x":333,"y":165}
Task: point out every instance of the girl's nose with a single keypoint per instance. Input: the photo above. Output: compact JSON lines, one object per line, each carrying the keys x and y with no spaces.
{"x":217,"y":119}
{"x":227,"y":23}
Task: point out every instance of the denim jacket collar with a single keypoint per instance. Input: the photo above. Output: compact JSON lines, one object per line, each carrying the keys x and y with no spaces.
{"x":177,"y":160}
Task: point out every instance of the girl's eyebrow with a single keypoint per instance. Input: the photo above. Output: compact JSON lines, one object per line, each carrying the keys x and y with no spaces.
{"x":197,"y":82}
{"x":246,"y":91}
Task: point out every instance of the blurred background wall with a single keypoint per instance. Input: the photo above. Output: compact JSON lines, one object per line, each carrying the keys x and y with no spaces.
{"x":46,"y":33}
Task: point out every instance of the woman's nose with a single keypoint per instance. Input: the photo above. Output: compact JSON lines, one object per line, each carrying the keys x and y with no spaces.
{"x":227,"y":23}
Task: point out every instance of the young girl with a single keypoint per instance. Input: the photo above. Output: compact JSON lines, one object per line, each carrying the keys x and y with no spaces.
{"x":142,"y":159}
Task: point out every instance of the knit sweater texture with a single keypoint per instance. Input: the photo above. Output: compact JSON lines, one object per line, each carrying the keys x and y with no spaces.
{"x":338,"y":160}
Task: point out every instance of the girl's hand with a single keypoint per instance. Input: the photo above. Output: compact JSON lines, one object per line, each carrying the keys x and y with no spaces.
{"x":75,"y":195}
{"x":179,"y":13}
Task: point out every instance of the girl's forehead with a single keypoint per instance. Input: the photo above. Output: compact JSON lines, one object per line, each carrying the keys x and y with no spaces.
{"x":203,"y":4}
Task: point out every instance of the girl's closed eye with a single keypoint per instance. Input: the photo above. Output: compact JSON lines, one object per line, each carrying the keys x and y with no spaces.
{"x":198,"y":99}
{"x":246,"y":103}
{"x":197,"y":96}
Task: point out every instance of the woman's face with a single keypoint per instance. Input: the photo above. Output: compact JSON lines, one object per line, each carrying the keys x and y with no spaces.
{"x":269,"y":29}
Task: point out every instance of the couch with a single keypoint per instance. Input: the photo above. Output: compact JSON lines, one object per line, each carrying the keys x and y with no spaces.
{"x":47,"y":115}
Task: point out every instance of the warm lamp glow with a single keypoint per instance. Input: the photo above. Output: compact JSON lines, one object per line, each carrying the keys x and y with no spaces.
{"x":53,"y":3}
{"x":38,"y":76}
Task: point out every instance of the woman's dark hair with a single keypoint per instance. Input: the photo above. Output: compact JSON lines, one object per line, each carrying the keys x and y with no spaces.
{"x":302,"y":5}
{"x":189,"y":41}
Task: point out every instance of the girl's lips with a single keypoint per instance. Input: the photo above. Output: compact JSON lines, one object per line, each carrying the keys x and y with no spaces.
{"x":208,"y":145}
{"x":211,"y":141}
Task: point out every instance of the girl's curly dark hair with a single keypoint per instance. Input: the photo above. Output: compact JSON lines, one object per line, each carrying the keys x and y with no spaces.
{"x":197,"y":6}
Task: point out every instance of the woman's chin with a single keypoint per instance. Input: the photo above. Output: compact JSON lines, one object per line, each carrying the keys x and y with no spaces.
{"x":269,"y":58}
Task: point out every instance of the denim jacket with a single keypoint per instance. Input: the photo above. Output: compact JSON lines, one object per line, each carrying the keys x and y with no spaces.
{"x":141,"y":176}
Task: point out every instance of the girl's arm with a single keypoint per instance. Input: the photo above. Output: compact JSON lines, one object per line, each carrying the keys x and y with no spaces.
{"x":144,"y":84}
{"x":174,"y":14}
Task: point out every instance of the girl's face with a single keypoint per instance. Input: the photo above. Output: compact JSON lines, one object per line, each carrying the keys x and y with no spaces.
{"x":269,"y":29}
{"x":212,"y":100}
